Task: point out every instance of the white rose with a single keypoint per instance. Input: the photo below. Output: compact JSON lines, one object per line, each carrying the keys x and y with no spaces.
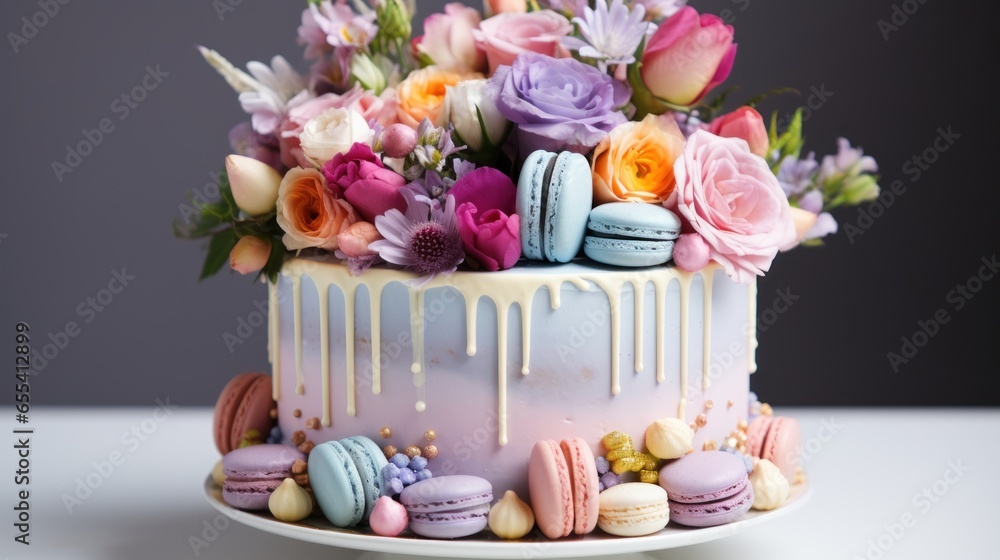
{"x":460,"y":103}
{"x":333,"y":132}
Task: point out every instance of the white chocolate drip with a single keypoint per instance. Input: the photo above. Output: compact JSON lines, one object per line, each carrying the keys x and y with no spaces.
{"x":505,"y":290}
{"x":273,"y":356}
{"x":297,"y":320}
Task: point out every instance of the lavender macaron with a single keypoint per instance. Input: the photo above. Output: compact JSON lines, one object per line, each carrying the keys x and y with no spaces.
{"x":707,"y":488}
{"x":448,"y":507}
{"x":254,"y":472}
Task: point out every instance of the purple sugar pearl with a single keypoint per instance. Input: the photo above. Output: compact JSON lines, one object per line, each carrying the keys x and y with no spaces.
{"x":407,"y":476}
{"x":610,"y":479}
{"x":400,"y":460}
{"x":418,"y":463}
{"x":602,"y":465}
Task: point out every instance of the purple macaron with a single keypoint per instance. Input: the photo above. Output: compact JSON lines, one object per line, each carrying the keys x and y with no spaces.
{"x":448,"y":507}
{"x":253,"y":473}
{"x":707,"y":488}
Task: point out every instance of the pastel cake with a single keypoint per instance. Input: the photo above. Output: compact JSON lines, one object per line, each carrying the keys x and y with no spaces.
{"x":575,"y":350}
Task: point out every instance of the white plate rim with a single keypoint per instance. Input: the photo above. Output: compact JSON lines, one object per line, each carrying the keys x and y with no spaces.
{"x":595,"y":544}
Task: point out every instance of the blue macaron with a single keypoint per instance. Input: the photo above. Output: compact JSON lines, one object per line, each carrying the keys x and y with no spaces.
{"x":336,"y":484}
{"x":631,"y":234}
{"x":368,"y":460}
{"x":346,"y":478}
{"x":554,"y":197}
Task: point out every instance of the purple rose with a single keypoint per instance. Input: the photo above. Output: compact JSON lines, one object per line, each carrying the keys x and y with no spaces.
{"x":557,"y":104}
{"x":360,"y":177}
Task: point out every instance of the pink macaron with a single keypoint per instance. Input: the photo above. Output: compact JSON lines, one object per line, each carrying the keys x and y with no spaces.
{"x":777,"y":439}
{"x":243,"y":408}
{"x":706,"y":488}
{"x":563,"y":486}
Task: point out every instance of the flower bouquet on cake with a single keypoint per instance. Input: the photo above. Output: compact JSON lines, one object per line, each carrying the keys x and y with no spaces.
{"x":410,"y":152}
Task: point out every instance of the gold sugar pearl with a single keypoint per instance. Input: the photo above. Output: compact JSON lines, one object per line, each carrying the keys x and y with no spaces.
{"x":766,"y":410}
{"x":730,"y":403}
{"x":389,"y":451}
{"x":651,"y":477}
{"x":312,"y":423}
{"x":693,"y":426}
{"x":621,"y":453}
{"x":297,"y":413}
{"x":709,"y":405}
{"x":430,"y":451}
{"x":742,"y":437}
{"x":384,"y":432}
{"x":701,"y":420}
{"x":649,"y":461}
{"x":412,"y":451}
{"x":616,"y":440}
{"x":742,"y":425}
{"x":731,"y":442}
{"x":274,"y":414}
{"x":709,"y":445}
{"x":429,"y":435}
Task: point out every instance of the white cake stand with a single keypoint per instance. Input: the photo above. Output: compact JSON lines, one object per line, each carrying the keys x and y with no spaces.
{"x":317,"y":529}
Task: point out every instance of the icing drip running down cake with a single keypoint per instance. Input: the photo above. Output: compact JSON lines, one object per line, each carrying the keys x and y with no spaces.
{"x":491,"y":363}
{"x":509,"y":265}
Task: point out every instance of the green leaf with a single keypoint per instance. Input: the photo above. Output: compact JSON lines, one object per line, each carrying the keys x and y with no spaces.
{"x":275,"y":260}
{"x":219,"y":247}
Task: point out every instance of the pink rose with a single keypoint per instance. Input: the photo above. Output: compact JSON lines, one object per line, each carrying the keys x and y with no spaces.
{"x":731,"y":197}
{"x":491,"y":239}
{"x":363,"y":181}
{"x":687,"y":56}
{"x":506,"y":35}
{"x":745,"y":123}
{"x":448,"y":40}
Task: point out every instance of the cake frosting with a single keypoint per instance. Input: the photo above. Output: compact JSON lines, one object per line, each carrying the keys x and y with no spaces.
{"x":491,"y":363}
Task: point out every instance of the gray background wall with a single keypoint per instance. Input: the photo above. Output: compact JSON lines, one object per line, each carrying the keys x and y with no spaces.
{"x":162,"y":335}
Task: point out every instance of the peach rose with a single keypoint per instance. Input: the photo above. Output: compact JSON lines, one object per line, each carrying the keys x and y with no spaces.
{"x":506,"y":35}
{"x":636,"y":161}
{"x":308,"y":212}
{"x":421,"y":94}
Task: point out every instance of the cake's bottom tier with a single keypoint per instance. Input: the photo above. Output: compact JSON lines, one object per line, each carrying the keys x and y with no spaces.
{"x":483,"y":414}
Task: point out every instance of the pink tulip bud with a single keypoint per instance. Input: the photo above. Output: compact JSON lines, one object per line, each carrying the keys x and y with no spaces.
{"x":250,"y":254}
{"x":687,"y":56}
{"x":354,"y":240}
{"x":745,"y":123}
{"x":254,"y":184}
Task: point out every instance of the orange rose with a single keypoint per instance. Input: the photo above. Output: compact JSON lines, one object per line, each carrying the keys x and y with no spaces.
{"x":308,"y":212}
{"x":636,"y":161}
{"x":421,"y":94}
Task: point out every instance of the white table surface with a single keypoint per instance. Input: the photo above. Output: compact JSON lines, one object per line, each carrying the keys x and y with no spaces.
{"x":868,"y":468}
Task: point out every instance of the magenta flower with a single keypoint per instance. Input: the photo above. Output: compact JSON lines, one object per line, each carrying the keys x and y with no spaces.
{"x":491,"y":234}
{"x":360,"y":177}
{"x":424,"y":240}
{"x":491,"y":239}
